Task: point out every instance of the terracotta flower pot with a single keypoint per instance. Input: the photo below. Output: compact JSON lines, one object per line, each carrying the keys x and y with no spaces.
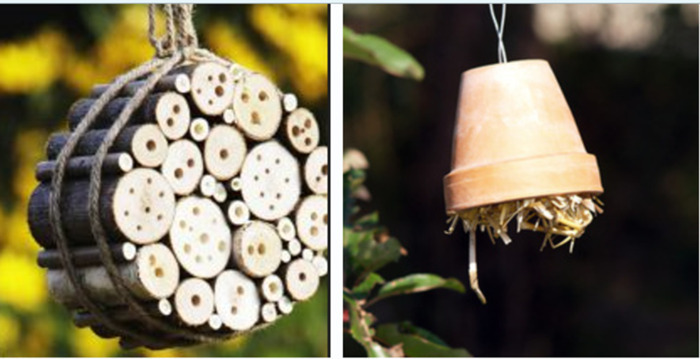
{"x":515,"y":138}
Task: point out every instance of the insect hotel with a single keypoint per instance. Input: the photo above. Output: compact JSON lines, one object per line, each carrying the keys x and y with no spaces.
{"x":191,"y":208}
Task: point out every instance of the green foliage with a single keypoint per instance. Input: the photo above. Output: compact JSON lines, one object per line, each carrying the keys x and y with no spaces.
{"x":368,"y":247}
{"x":379,"y":52}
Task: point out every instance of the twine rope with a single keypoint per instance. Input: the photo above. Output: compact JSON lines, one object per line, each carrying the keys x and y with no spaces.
{"x":499,"y":31}
{"x":177,"y":45}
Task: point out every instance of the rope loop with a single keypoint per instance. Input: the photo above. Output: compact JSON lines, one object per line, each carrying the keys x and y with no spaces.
{"x":499,"y":31}
{"x":180,"y":34}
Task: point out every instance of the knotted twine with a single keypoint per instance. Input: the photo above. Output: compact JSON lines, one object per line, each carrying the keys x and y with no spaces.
{"x":179,"y":44}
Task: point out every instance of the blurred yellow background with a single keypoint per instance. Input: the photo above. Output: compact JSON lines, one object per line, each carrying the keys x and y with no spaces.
{"x":48,"y":62}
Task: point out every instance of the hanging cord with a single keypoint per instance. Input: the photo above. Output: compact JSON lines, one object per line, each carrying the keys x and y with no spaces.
{"x":499,"y":31}
{"x":179,"y":44}
{"x":180,"y":34}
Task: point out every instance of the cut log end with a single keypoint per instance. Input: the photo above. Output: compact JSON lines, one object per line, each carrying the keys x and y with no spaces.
{"x":149,"y":146}
{"x":257,"y":249}
{"x":183,"y":167}
{"x":285,"y":229}
{"x":212,"y":88}
{"x":301,"y":279}
{"x":268,"y":312}
{"x":272,"y":288}
{"x":236,"y":300}
{"x":238,"y":213}
{"x":290,"y":102}
{"x":302,"y":130}
{"x":207,"y":185}
{"x":321,"y":265}
{"x":270,"y":181}
{"x":285,"y":305}
{"x":312,"y":222}
{"x":143,"y":206}
{"x":316,"y":170}
{"x":199,"y":129}
{"x":81,"y":166}
{"x":224,"y":152}
{"x":220,"y":193}
{"x":158,"y":270}
{"x":286,"y":256}
{"x":172,"y":113}
{"x":194,"y":301}
{"x":236,"y":184}
{"x":294,"y":247}
{"x":257,"y":107}
{"x":200,"y":237}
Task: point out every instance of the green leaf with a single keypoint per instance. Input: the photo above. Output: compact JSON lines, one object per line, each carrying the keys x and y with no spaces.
{"x":419,"y":282}
{"x":417,"y":342}
{"x":352,"y":180}
{"x":367,"y":251}
{"x":365,"y":287}
{"x":361,"y":330}
{"x":377,"y":51}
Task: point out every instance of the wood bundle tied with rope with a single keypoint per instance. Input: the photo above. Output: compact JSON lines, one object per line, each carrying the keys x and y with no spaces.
{"x":188,"y":204}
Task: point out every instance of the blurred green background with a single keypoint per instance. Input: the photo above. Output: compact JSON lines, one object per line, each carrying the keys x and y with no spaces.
{"x":51,"y":55}
{"x":630,"y":75}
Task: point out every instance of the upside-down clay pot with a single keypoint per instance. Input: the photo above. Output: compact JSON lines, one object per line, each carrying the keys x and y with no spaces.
{"x":515,"y":138}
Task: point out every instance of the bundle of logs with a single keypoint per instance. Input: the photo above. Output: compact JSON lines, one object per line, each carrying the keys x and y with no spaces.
{"x":214,"y":200}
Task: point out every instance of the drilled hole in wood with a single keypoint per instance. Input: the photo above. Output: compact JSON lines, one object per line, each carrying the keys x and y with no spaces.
{"x":222,"y":246}
{"x":223,"y":154}
{"x":245,"y":97}
{"x":314,"y":215}
{"x":325,"y":219}
{"x":234,"y":310}
{"x":190,"y":163}
{"x":159,"y":217}
{"x":240,"y":290}
{"x":138,"y":228}
{"x":251,"y":250}
{"x":307,"y":141}
{"x":151,"y":145}
{"x":286,"y":180}
{"x":262,"y":96}
{"x":152,"y":260}
{"x":314,"y":231}
{"x":239,"y":212}
{"x":278,"y":196}
{"x":147,"y":209}
{"x":199,"y":128}
{"x":318,"y":178}
{"x":199,"y":91}
{"x":258,"y":157}
{"x":195,"y":211}
{"x":255,"y":118}
{"x":262,"y":194}
{"x":183,"y":224}
{"x":219,"y":91}
{"x":198,"y":258}
{"x":170,"y":122}
{"x":196,"y":300}
{"x":272,"y":207}
{"x":211,"y":102}
{"x":255,"y":178}
{"x":159,"y":272}
{"x":222,"y":77}
{"x":149,"y":180}
{"x":126,"y":213}
{"x":307,"y":123}
{"x":267,"y":171}
{"x":131,"y":191}
{"x":178,"y":173}
{"x":176,"y":109}
{"x":302,"y":276}
{"x":187,"y":248}
{"x":277,"y":161}
{"x":161,"y":194}
{"x":295,"y":131}
{"x":286,"y":228}
{"x":210,"y":258}
{"x":273,"y":287}
{"x":261,"y":248}
{"x":204,"y":238}
{"x":210,"y":78}
{"x":324,"y":169}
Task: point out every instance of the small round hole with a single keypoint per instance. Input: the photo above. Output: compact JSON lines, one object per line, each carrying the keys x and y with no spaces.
{"x":196,"y":300}
{"x":170,"y":122}
{"x":251,"y":249}
{"x":219,"y":91}
{"x":210,"y":78}
{"x":176,"y":109}
{"x":190,"y":163}
{"x":240,"y":290}
{"x":262,"y":194}
{"x":238,"y":211}
{"x":324,"y":169}
{"x":221,"y":246}
{"x":307,"y":141}
{"x":307,"y":123}
{"x":222,"y":77}
{"x":262,"y":96}
{"x":204,"y":238}
{"x":261,"y":248}
{"x":187,"y":248}
{"x":126,"y":213}
{"x":273,"y":287}
{"x":159,"y":272}
{"x":161,"y":194}
{"x":314,"y":231}
{"x":277,"y":161}
{"x":325,"y":219}
{"x":138,"y":228}
{"x":223,"y":154}
{"x":147,"y":209}
{"x":183,"y":224}
{"x":295,"y":131}
{"x":255,"y":118}
{"x":314,"y":215}
{"x":152,"y":260}
{"x":258,"y":157}
{"x":149,"y":180}
{"x":278,"y":196}
{"x":131,"y":191}
{"x":198,"y":258}
{"x":151,"y":145}
{"x":245,"y":97}
{"x":195,"y":211}
{"x":234,"y":310}
{"x":178,"y":173}
{"x":302,"y":276}
{"x":267,"y":171}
